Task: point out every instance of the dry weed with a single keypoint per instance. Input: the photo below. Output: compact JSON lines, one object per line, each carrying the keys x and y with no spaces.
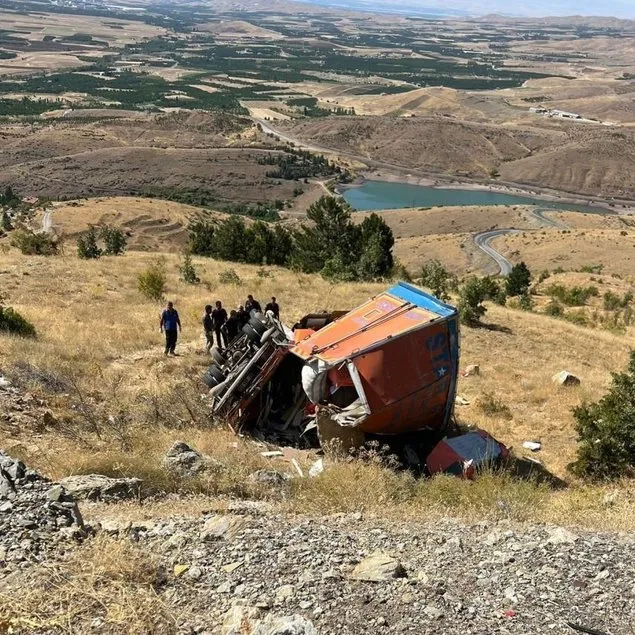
{"x":106,"y":583}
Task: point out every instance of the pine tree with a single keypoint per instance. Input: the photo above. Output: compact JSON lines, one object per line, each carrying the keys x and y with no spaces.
{"x":87,"y":247}
{"x":518,"y":280}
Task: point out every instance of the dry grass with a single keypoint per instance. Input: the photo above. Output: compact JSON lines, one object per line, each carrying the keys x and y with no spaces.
{"x":107,"y":584}
{"x":99,"y":339}
{"x":552,"y":248}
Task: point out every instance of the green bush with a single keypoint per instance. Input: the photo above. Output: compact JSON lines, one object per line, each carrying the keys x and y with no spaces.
{"x":606,"y":431}
{"x":229,"y":276}
{"x":188,"y":271}
{"x":6,"y":223}
{"x":471,"y":297}
{"x":114,"y":241}
{"x":525,"y":302}
{"x":87,"y":247}
{"x":32,"y":244}
{"x":576,"y":317}
{"x":12,"y":322}
{"x":554,"y":309}
{"x":151,"y":282}
{"x":574,"y":296}
{"x":438,"y":279}
{"x":518,"y":280}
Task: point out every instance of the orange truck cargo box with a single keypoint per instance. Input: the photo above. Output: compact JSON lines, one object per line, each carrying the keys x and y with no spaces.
{"x":401,"y":352}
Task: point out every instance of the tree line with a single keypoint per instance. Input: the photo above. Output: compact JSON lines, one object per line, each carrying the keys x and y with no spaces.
{"x":332,"y":244}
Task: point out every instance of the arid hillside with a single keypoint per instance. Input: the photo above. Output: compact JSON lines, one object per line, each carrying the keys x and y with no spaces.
{"x":182,"y":152}
{"x":592,"y":160}
{"x":433,"y":144}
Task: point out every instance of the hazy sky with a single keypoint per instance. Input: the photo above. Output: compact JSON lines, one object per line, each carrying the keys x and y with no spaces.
{"x":617,"y":8}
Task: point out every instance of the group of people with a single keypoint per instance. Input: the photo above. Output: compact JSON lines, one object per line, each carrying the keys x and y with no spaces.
{"x":217,"y":324}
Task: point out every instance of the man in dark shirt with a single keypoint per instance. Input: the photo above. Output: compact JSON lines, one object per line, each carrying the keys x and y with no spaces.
{"x":169,"y":323}
{"x":243,"y":316}
{"x":232,"y":326}
{"x":252,"y":305}
{"x":208,"y":327}
{"x":219,"y":317}
{"x":274,"y":308}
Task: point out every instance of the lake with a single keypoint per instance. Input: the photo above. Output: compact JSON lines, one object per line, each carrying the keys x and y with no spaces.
{"x":387,"y":195}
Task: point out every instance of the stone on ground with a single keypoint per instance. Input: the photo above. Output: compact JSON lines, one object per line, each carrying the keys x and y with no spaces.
{"x":378,"y":567}
{"x":291,"y":625}
{"x":565,"y":378}
{"x":183,"y":460}
{"x":96,"y":487}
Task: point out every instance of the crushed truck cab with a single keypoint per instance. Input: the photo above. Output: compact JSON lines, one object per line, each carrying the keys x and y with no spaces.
{"x":388,"y":367}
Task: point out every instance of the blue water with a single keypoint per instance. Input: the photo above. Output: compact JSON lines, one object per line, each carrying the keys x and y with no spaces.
{"x":386,"y":195}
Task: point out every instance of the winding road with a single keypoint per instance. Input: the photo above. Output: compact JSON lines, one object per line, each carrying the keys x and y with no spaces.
{"x":481,"y":240}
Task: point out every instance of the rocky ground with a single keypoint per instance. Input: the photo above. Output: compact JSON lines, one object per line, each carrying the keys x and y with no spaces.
{"x":253,"y":570}
{"x":349,"y":575}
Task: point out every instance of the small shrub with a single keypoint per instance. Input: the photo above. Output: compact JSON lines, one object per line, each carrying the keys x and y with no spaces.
{"x":229,"y":276}
{"x":492,"y":406}
{"x":576,"y":317}
{"x":606,"y":431}
{"x":188,"y":272}
{"x":12,"y":322}
{"x":591,"y":268}
{"x":6,"y":223}
{"x":151,"y":282}
{"x":438,"y":279}
{"x":471,"y":297}
{"x":543,"y":275}
{"x":554,"y":309}
{"x":114,"y":240}
{"x":574,"y":296}
{"x":87,"y":247}
{"x":525,"y":302}
{"x":263,"y":273}
{"x":32,"y":244}
{"x":611,"y":301}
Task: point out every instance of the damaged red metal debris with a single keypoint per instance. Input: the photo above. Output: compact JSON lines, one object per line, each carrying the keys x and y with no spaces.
{"x":384,"y":371}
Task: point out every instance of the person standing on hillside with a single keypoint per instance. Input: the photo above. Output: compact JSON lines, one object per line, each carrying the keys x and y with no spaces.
{"x":208,"y":327}
{"x":252,"y":305}
{"x":169,"y":323}
{"x":219,"y":317}
{"x":274,"y":307}
{"x":243,"y":315}
{"x":232,"y":326}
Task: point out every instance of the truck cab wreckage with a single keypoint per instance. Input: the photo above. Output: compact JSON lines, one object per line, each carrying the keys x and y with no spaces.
{"x":386,"y":368}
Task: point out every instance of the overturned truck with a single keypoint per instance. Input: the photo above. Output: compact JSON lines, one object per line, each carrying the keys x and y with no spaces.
{"x":387,"y":367}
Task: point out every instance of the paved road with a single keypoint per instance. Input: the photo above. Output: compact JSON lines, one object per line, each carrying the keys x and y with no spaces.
{"x":482,"y":241}
{"x":47,"y":222}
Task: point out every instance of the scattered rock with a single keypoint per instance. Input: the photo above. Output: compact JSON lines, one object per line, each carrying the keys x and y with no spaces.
{"x":561,"y":536}
{"x":378,"y":567}
{"x":240,"y":620}
{"x":534,"y":446}
{"x":96,"y":487}
{"x":565,"y":378}
{"x":183,"y":460}
{"x":221,"y":527}
{"x":471,"y":370}
{"x":180,"y":569}
{"x":285,"y":592}
{"x":292,"y":625}
{"x":272,"y":478}
{"x":37,"y":516}
{"x":433,"y":612}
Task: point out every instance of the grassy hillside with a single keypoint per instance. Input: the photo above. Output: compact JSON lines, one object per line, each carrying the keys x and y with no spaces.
{"x":99,"y":354}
